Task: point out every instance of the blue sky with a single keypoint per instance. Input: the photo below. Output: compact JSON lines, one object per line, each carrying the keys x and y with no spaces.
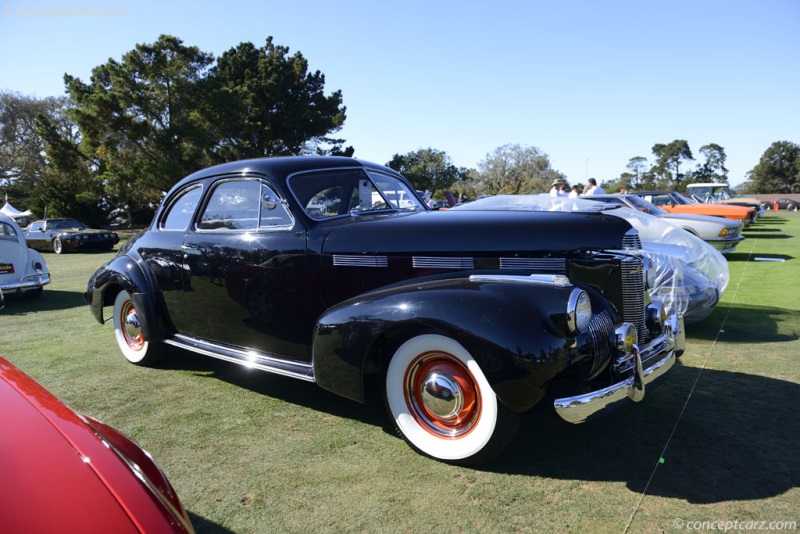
{"x":592,"y":84}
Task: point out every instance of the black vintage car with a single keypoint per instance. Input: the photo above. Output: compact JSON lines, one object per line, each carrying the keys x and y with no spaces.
{"x":68,"y":235}
{"x":332,"y":270}
{"x":781,"y":204}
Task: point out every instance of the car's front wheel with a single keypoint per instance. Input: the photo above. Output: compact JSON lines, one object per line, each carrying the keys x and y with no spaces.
{"x":442,"y":404}
{"x":128,"y":331}
{"x":58,"y":247}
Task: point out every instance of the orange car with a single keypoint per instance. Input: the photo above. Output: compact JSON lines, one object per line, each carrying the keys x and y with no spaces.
{"x":676,"y":203}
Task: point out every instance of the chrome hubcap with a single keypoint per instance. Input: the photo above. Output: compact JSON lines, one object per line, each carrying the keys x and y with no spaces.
{"x":441,"y":395}
{"x":131,"y":328}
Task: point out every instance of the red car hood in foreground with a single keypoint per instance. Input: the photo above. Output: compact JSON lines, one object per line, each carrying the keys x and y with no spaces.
{"x":65,"y":473}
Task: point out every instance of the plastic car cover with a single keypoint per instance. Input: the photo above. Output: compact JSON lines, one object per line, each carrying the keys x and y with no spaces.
{"x":687,"y":275}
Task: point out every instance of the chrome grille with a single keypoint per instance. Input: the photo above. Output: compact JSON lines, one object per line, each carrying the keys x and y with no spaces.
{"x":631,"y":240}
{"x":360,"y":261}
{"x":432,"y":262}
{"x":600,"y":328}
{"x":633,"y":294}
{"x":558,"y":265}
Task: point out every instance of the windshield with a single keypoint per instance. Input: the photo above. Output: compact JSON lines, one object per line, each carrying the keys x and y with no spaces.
{"x":645,"y":206}
{"x":63,"y":224}
{"x":393,"y":192}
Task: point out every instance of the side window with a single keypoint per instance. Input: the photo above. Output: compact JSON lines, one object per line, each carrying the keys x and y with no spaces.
{"x":326,"y":203}
{"x":7,"y":232}
{"x":273,"y":211}
{"x":180,"y":212}
{"x":233,"y":205}
{"x":36,"y":227}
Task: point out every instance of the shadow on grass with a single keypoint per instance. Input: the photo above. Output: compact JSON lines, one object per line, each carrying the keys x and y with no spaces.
{"x":287,"y":389}
{"x":19,"y":304}
{"x":201,"y":524}
{"x":747,"y":324}
{"x":736,"y":440}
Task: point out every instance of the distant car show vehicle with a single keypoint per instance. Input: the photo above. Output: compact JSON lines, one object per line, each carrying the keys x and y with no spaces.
{"x":688,"y":276}
{"x":67,"y":472}
{"x":675,"y":202}
{"x":22,"y":270}
{"x":332,"y":270}
{"x":721,"y":233}
{"x":68,"y":235}
{"x":781,"y":204}
{"x":720,"y":193}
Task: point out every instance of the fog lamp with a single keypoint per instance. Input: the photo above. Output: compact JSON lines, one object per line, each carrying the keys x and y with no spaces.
{"x":626,"y":337}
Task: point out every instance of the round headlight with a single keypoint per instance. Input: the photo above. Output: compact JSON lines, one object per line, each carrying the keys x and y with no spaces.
{"x":579,"y":310}
{"x":626,"y":337}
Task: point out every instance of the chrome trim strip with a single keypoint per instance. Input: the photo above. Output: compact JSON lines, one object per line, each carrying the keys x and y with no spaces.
{"x":140,"y":474}
{"x":542,"y":279}
{"x":251,"y":359}
{"x":579,"y":408}
{"x":434,"y":262}
{"x":536,"y":264}
{"x":353,"y":260}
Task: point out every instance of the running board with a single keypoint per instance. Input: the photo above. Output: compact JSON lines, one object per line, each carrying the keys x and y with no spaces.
{"x":250,"y":359}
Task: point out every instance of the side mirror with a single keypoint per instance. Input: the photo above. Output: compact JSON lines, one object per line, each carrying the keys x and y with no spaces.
{"x":269,"y":202}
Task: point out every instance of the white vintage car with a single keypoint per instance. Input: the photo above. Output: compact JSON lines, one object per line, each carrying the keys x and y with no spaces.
{"x":721,"y":233}
{"x":21,"y":269}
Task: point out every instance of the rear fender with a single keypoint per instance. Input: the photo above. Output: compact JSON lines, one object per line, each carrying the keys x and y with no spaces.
{"x":517,"y":333}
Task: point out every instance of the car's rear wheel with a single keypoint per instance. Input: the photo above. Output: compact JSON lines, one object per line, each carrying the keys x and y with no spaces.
{"x":128,"y":331}
{"x":58,"y":247}
{"x":442,"y":404}
{"x":793,"y":207}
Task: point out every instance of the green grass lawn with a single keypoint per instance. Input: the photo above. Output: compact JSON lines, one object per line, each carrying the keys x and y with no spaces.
{"x":252,"y":452}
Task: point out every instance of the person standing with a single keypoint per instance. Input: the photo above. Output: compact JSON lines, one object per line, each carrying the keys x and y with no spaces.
{"x":594,"y":189}
{"x":574,"y":193}
{"x":558,"y":189}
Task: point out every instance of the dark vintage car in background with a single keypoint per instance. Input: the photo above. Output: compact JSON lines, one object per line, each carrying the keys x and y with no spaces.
{"x":66,"y":472}
{"x":781,"y":204}
{"x":332,"y":270}
{"x":68,"y":235}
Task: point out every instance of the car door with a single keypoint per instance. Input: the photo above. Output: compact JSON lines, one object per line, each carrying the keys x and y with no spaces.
{"x":36,"y":237}
{"x":244,"y":261}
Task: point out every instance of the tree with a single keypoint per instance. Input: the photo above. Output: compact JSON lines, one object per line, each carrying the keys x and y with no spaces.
{"x":713,"y":168}
{"x":268,"y":104}
{"x":638,"y":167}
{"x":778,"y":170}
{"x":163,"y":112}
{"x":668,"y":162}
{"x":22,"y":150}
{"x":428,"y":169}
{"x":514,"y":169}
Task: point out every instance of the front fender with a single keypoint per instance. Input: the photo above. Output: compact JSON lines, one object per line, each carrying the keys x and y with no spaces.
{"x":124,"y":273}
{"x":517,"y":333}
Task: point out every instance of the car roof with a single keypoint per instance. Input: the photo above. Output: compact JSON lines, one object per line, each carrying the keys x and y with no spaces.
{"x":280,"y":167}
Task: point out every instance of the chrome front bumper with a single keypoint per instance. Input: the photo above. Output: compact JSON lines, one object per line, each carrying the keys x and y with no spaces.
{"x":651,"y":362}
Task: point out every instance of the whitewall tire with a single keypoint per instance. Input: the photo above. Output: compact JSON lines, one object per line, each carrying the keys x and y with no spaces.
{"x":129,"y":336}
{"x":442,"y":404}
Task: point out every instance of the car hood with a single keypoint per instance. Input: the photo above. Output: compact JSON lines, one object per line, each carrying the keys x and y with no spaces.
{"x":475,"y":231}
{"x":57,"y":463}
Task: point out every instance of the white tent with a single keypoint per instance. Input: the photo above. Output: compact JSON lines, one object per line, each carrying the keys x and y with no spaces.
{"x":13,"y":212}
